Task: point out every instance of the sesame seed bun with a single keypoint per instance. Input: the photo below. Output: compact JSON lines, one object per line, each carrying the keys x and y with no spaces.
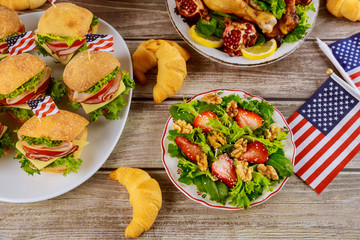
{"x":61,"y":126}
{"x":10,"y":22}
{"x":65,"y":20}
{"x":88,"y":68}
{"x":18,"y":69}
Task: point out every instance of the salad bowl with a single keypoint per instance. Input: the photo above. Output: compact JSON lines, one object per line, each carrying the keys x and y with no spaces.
{"x":174,"y":170}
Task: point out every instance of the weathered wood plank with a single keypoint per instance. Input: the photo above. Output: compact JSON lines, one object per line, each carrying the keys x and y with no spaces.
{"x":148,"y":19}
{"x":100,"y":209}
{"x":139,"y":145}
{"x":297,"y":76}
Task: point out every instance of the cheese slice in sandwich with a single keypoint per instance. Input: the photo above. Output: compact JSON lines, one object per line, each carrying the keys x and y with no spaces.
{"x":63,"y":126}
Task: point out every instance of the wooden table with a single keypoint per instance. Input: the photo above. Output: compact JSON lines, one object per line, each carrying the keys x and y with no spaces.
{"x":99,"y":208}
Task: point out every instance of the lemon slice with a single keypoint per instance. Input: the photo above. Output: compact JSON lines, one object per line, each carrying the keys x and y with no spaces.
{"x":260,"y":52}
{"x":211,"y":42}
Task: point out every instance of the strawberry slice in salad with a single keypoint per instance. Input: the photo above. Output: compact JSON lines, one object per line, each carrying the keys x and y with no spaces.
{"x":238,"y":142}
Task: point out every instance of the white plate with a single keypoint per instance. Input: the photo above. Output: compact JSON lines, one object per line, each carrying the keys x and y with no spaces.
{"x":190,"y":191}
{"x":16,"y":186}
{"x":219,"y":56}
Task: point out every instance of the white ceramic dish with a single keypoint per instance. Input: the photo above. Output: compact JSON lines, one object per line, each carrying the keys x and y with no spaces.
{"x":16,"y":186}
{"x":219,"y":56}
{"x":190,"y":191}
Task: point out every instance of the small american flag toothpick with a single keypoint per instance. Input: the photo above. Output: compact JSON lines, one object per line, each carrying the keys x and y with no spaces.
{"x":99,"y":42}
{"x":21,"y":43}
{"x":43,"y":107}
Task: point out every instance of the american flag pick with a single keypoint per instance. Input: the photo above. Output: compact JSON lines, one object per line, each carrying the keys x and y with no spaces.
{"x":99,"y":42}
{"x":43,"y":107}
{"x":326,"y":132}
{"x":21,"y":43}
{"x":347,"y":53}
{"x":52,"y":1}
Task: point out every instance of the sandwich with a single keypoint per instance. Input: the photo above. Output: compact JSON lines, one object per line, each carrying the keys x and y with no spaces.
{"x":10,"y":26}
{"x":23,"y":77}
{"x":95,"y":82}
{"x":5,"y":140}
{"x":62,"y":29}
{"x":52,"y":144}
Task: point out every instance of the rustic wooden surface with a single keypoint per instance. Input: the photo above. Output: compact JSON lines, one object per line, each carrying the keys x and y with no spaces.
{"x":99,"y":208}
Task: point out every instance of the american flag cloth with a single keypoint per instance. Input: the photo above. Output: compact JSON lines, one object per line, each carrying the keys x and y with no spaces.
{"x":326,"y":132}
{"x":347,"y":53}
{"x":24,"y":42}
{"x":52,"y":1}
{"x":99,"y":42}
{"x":43,"y":107}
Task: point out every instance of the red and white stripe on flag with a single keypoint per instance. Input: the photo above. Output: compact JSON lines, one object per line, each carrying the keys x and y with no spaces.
{"x":21,"y":43}
{"x":43,"y":107}
{"x":326,"y":133}
{"x":52,"y":1}
{"x":99,"y":42}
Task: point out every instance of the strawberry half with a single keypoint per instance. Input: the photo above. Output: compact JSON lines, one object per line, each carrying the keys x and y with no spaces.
{"x":202,"y":119}
{"x":247,"y":118}
{"x":256,"y":153}
{"x":189,"y":148}
{"x":224,"y":170}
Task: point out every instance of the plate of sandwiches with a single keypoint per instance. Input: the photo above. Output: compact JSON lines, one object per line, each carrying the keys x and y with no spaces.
{"x":56,"y":153}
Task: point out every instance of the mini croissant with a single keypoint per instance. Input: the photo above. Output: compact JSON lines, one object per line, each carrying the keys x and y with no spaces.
{"x":144,"y":57}
{"x":349,"y":9}
{"x":171,"y":72}
{"x":145,"y":197}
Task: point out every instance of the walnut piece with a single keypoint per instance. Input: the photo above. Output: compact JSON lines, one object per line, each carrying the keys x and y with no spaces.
{"x":272,"y":134}
{"x":182,"y":127}
{"x":216,"y":139}
{"x":244,"y":172}
{"x":202,"y":161}
{"x":268,"y":171}
{"x":212,"y":98}
{"x":240,"y":147}
{"x":232,"y":109}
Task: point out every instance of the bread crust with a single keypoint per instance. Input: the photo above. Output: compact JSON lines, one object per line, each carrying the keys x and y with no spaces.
{"x":10,"y":22}
{"x":65,"y":20}
{"x":61,"y":126}
{"x":18,"y":69}
{"x":22,"y":4}
{"x":88,"y":68}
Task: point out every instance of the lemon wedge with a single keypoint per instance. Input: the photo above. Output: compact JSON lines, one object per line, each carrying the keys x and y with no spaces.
{"x":260,"y":52}
{"x":211,"y":42}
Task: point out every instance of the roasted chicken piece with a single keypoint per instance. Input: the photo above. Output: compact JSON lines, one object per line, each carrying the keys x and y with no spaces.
{"x":287,"y":23}
{"x":303,"y":2}
{"x":290,"y":19}
{"x":266,"y":21}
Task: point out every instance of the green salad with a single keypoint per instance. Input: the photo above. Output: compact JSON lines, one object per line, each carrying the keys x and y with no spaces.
{"x":230,"y":148}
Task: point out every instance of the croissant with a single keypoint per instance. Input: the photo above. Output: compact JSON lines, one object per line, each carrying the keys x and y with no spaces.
{"x":145,"y":197}
{"x":349,"y":9}
{"x":171,"y":72}
{"x":22,"y":4}
{"x":144,"y":57}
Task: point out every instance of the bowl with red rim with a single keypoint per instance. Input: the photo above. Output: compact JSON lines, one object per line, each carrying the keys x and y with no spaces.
{"x":172,"y":170}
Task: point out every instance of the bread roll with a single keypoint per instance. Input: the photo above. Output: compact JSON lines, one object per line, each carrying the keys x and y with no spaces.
{"x":61,"y":126}
{"x":9,"y":21}
{"x":349,"y":9}
{"x":65,"y":20}
{"x":88,"y":68}
{"x":18,"y":69}
{"x":22,"y":4}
